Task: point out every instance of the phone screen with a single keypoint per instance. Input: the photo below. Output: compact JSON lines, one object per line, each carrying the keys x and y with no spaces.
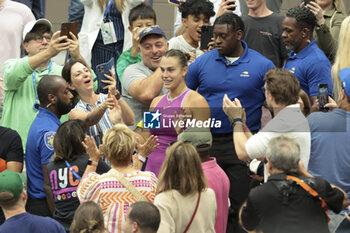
{"x":206,"y":35}
{"x":322,"y":96}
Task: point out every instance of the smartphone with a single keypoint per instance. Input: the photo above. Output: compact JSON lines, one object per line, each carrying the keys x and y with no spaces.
{"x":231,"y":8}
{"x":101,"y":70}
{"x":206,"y":35}
{"x":322,"y":96}
{"x":174,"y":2}
{"x":307,"y":1}
{"x":70,"y":27}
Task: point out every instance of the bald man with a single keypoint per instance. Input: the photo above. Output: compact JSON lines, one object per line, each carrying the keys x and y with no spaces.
{"x":55,"y":100}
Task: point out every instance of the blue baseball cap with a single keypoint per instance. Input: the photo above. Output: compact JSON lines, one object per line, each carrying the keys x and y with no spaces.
{"x":344,"y":75}
{"x":151,"y":30}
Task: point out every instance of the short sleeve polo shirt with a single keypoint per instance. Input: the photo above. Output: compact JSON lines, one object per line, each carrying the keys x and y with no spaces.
{"x":39,"y":150}
{"x":215,"y":76}
{"x":311,"y":67}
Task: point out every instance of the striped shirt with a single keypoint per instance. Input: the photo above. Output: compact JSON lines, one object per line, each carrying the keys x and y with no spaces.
{"x":113,"y":198}
{"x":105,"y":122}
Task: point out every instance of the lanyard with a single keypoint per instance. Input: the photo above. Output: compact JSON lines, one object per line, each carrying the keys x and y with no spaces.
{"x":36,"y":104}
{"x":72,"y":171}
{"x":107,"y":11}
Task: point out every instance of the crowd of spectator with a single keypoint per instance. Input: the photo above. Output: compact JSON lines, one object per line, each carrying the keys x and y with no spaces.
{"x":250,"y":134}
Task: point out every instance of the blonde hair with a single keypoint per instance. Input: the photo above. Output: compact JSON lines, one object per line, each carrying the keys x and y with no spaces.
{"x":341,"y":59}
{"x":119,"y":144}
{"x":182,"y":170}
{"x":119,"y":3}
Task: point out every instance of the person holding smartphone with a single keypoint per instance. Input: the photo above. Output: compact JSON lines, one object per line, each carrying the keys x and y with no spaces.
{"x":99,"y":112}
{"x":195,"y":14}
{"x":220,"y":7}
{"x":330,"y":133}
{"x":21,"y":76}
{"x":329,"y":15}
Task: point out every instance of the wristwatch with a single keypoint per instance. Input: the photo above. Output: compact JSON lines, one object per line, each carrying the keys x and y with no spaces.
{"x":92,"y":163}
{"x":142,"y":159}
{"x":323,"y":28}
{"x":235,"y":121}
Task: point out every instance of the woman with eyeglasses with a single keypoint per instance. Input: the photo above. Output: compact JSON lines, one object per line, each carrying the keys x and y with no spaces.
{"x":178,"y":108}
{"x":66,"y":169}
{"x":99,"y":112}
{"x":184,"y":201}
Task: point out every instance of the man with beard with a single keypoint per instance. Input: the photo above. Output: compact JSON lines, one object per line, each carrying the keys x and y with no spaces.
{"x":55,"y":101}
{"x":306,"y":61}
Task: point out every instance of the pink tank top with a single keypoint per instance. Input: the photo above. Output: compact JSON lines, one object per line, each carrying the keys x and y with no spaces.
{"x":166,"y":134}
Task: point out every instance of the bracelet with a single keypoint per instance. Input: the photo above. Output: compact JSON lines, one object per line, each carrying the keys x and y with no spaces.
{"x":236,"y":120}
{"x":92,"y":163}
{"x":239,"y":123}
{"x":142,"y":159}
{"x":120,"y":99}
{"x":118,"y":96}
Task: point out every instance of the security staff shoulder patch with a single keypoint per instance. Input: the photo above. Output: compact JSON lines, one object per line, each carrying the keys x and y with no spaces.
{"x":48,"y":138}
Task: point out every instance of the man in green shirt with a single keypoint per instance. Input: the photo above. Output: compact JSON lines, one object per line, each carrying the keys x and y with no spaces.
{"x":21,"y":76}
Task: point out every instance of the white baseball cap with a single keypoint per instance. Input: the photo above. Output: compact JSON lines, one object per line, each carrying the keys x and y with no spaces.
{"x":29,"y":26}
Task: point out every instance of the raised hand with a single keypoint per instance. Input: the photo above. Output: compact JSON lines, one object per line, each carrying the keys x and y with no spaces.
{"x":148,"y":146}
{"x":317,"y":11}
{"x":57,"y":44}
{"x":115,"y":113}
{"x":111,"y":82}
{"x":91,"y":148}
{"x":184,"y":116}
{"x":73,"y":46}
{"x":225,"y":7}
{"x":233,"y":109}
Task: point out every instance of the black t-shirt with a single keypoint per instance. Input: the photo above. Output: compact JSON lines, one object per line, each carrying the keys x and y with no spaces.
{"x":264,"y":34}
{"x":11,"y":149}
{"x":64,"y":185}
{"x":267,"y":209}
{"x":10,"y":146}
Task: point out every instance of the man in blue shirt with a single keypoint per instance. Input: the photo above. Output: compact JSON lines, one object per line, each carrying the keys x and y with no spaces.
{"x":306,"y":61}
{"x":330,"y":133}
{"x":55,"y":101}
{"x":233,"y":69}
{"x":13,"y":198}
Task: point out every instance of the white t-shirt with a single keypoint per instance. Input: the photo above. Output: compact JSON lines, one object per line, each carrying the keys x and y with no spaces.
{"x":180,"y":43}
{"x":289,"y":122}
